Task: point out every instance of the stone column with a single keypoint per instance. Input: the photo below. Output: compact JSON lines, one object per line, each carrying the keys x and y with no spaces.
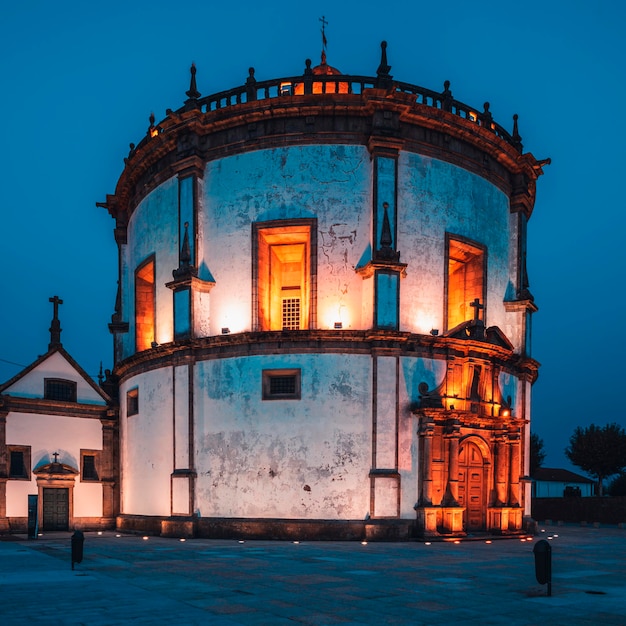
{"x":426,"y":433}
{"x":453,"y":433}
{"x":109,"y":461}
{"x":501,"y":470}
{"x":515,"y":469}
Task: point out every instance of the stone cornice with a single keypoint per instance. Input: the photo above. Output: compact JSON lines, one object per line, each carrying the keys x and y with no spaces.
{"x":365,"y":342}
{"x":42,"y":406}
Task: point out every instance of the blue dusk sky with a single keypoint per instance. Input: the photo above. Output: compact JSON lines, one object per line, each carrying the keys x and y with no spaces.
{"x":80,"y":79}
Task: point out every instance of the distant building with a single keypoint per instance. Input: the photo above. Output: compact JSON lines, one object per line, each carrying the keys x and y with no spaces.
{"x":322,"y":326}
{"x":551,"y":482}
{"x":58,"y":442}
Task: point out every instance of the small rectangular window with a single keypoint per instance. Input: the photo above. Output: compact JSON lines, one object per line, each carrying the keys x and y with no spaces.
{"x":19,"y":462}
{"x":132,"y":401}
{"x":281,"y":384}
{"x":59,"y":389}
{"x":89,"y":465}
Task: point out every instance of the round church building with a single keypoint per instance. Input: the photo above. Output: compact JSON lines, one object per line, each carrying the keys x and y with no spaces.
{"x":322,"y":327}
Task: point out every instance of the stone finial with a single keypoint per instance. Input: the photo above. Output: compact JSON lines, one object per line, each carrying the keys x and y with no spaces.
{"x":517,"y":139}
{"x":55,"y":326}
{"x":153,"y":131}
{"x":185,"y":268}
{"x":251,"y":85}
{"x":193,"y":93}
{"x":185,"y":251}
{"x":486,"y":119}
{"x":383,"y":78}
{"x":386,"y":251}
{"x":307,"y":70}
{"x":446,"y":97}
{"x":100,"y":375}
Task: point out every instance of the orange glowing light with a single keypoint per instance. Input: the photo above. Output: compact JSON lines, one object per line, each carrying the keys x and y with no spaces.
{"x":144,"y":305}
{"x":284,"y":270}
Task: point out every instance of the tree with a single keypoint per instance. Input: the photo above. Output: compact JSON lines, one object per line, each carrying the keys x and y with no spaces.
{"x":537,"y":453}
{"x":599,"y":451}
{"x":617,"y":487}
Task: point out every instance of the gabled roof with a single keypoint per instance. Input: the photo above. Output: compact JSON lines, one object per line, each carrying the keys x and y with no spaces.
{"x":52,"y":351}
{"x":558,"y":475}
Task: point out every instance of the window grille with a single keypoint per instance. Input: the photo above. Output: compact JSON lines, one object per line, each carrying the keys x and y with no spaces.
{"x":89,"y":467}
{"x":281,"y":384}
{"x":17,"y":469}
{"x":61,"y":390}
{"x":291,"y":313}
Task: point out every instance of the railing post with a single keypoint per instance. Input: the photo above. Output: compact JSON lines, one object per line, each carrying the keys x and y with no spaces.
{"x":308,"y":78}
{"x":446,"y":97}
{"x":251,"y":86}
{"x":486,"y":119}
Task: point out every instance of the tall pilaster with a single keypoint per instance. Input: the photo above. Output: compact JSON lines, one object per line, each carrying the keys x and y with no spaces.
{"x":186,"y":283}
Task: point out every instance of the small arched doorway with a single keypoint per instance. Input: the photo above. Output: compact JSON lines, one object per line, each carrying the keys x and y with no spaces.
{"x":472,"y":485}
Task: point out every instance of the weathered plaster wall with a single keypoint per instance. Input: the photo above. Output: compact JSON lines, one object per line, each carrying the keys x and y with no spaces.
{"x":46,"y":434}
{"x":435,"y":197}
{"x":147,"y":452}
{"x":307,"y":458}
{"x":153,"y":229}
{"x":331,"y":183}
{"x":56,"y":365}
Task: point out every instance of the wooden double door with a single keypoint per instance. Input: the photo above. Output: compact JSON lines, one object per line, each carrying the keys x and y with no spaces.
{"x":472,"y":487}
{"x":56,"y":508}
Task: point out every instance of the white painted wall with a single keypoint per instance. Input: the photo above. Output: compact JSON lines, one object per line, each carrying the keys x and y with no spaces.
{"x":147,"y":451}
{"x":46,"y":434}
{"x":331,"y":183}
{"x":152,"y":229}
{"x":31,"y":385}
{"x":256,"y":458}
{"x":435,"y":197}
{"x":334,"y":184}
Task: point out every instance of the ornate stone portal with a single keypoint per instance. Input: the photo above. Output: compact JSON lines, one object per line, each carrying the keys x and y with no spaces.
{"x":469,"y":446}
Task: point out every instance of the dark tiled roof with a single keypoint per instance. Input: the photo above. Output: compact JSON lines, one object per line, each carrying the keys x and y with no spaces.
{"x":551,"y":474}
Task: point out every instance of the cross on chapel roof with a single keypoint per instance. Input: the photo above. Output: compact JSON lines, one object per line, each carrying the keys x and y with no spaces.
{"x":477,"y":307}
{"x":55,"y":326}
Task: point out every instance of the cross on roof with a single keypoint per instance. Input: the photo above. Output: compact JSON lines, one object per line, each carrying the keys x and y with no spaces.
{"x":324,"y":24}
{"x":477,"y":307}
{"x":56,"y":301}
{"x":56,"y":456}
{"x":55,"y":327}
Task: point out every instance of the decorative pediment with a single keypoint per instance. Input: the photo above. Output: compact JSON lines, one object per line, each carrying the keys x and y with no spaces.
{"x":56,"y":469}
{"x":470,"y":386}
{"x":476,"y":331}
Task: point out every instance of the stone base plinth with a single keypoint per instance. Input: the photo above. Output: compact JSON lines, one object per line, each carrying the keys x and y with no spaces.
{"x":504,"y":519}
